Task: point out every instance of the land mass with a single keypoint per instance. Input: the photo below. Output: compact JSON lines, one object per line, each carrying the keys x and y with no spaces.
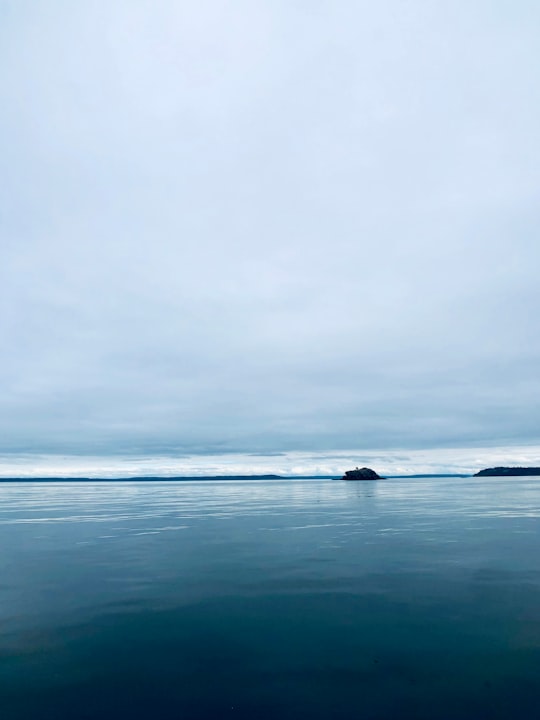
{"x":507,"y":471}
{"x":361,"y":474}
{"x":142,"y":478}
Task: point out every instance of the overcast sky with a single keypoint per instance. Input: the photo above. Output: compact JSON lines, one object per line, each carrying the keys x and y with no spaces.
{"x":264,"y":226}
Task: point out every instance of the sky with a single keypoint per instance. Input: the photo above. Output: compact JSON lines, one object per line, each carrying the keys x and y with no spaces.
{"x":235,"y":229}
{"x":390,"y":463}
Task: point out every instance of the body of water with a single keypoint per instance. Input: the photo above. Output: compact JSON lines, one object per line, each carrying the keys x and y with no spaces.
{"x":270,"y":599}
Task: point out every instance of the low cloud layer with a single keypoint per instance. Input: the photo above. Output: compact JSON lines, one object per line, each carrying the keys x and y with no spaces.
{"x":268,"y":227}
{"x":389,"y":462}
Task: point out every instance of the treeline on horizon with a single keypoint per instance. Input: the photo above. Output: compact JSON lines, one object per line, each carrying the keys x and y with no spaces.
{"x":487,"y":472}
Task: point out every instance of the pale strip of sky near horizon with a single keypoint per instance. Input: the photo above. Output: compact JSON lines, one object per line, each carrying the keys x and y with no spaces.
{"x":392,"y":462}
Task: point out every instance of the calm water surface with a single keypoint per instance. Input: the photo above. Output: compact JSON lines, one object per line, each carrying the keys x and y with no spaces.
{"x":276,"y":599}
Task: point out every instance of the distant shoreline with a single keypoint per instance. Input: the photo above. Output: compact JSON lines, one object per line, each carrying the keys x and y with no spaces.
{"x":509,"y":472}
{"x":191,"y":478}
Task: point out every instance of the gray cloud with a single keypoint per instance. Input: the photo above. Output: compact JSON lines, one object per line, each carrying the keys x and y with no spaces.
{"x":268,"y":227}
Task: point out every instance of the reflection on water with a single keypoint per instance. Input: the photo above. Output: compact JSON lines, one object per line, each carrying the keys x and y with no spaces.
{"x":275,"y":599}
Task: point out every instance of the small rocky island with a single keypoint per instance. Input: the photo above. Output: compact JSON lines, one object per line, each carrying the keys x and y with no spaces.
{"x":361,"y":474}
{"x":508,"y":471}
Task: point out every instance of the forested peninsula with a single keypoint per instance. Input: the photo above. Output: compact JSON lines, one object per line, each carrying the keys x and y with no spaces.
{"x":508,"y":471}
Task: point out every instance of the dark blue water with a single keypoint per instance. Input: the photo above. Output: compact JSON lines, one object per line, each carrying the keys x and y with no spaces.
{"x":277,"y":599}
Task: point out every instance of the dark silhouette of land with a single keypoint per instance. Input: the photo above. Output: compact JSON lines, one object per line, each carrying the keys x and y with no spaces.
{"x":143,"y":478}
{"x":188,"y":478}
{"x":361,"y":474}
{"x":508,"y":471}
